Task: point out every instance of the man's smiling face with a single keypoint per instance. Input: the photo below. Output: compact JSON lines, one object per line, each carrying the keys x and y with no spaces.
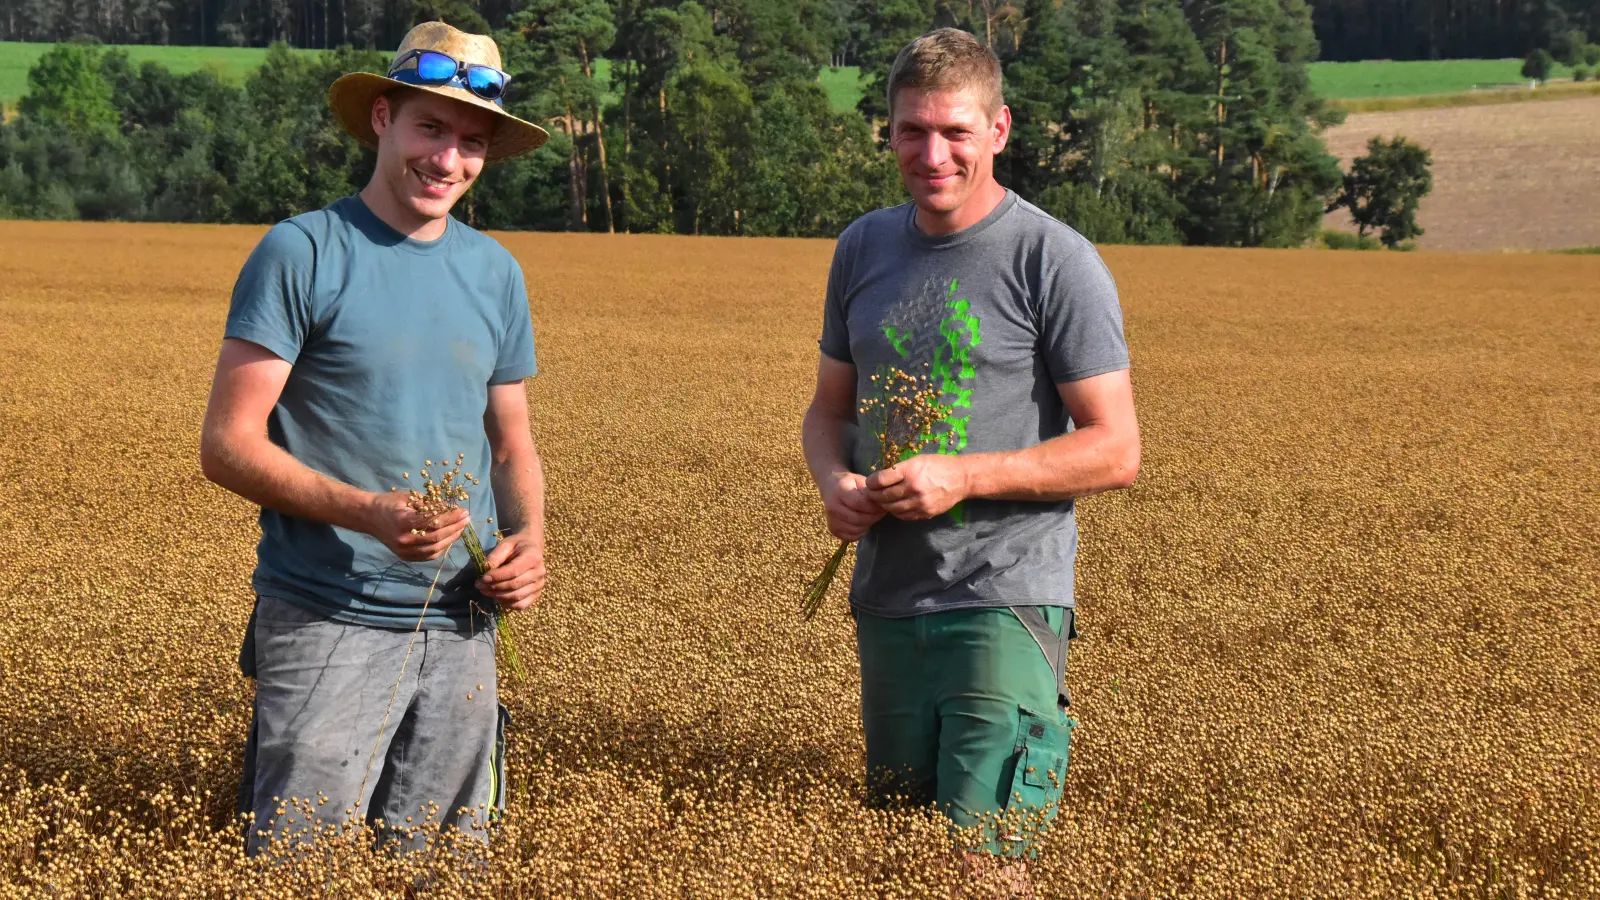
{"x":945,"y":142}
{"x":430,"y":150}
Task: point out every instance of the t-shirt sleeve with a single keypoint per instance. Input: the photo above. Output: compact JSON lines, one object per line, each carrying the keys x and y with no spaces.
{"x":835,"y":340}
{"x":1081,"y":320}
{"x":517,"y":360}
{"x":272,"y":299}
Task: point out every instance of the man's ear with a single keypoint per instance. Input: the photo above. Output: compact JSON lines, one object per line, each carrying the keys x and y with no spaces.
{"x":1002,"y":128}
{"x":381,"y":115}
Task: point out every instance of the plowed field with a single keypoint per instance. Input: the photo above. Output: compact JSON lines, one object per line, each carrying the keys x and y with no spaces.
{"x":1339,"y":640}
{"x":1522,"y":176}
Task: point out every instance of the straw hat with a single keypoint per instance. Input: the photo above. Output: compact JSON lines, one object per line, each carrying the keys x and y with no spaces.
{"x":352,"y":95}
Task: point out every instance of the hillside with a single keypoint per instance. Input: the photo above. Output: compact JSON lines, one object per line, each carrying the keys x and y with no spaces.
{"x":1522,"y":176}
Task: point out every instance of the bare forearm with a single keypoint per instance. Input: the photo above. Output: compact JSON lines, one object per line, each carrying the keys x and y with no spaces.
{"x":268,"y":476}
{"x":518,"y":480}
{"x":1088,"y":461}
{"x":826,"y":438}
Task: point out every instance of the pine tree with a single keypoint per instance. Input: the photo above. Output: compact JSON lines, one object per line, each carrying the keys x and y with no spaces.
{"x":152,"y":21}
{"x":1267,"y":175}
{"x":557,"y":42}
{"x":888,"y":26}
{"x":462,"y":14}
{"x":1102,"y":103}
{"x":1042,"y":83}
{"x":778,"y":40}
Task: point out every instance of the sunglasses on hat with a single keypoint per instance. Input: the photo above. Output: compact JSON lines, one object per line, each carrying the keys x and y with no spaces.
{"x":435,"y":68}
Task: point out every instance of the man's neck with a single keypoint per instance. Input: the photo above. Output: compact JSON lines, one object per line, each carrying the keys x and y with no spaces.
{"x":982,"y":202}
{"x":398,"y":217}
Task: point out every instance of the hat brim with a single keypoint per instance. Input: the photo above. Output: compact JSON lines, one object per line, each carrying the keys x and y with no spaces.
{"x":352,"y":95}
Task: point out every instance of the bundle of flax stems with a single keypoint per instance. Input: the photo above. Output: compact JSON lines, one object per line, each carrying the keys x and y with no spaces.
{"x":901,"y":414}
{"x":440,"y":497}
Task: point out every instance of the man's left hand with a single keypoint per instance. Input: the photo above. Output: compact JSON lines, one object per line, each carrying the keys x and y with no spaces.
{"x":921,"y":487}
{"x":516,"y":575}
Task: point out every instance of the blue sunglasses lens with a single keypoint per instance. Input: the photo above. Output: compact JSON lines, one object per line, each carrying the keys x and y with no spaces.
{"x":485,"y":82}
{"x":436,"y":67}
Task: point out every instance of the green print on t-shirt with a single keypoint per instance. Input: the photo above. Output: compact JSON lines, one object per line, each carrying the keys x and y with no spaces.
{"x":950,"y":367}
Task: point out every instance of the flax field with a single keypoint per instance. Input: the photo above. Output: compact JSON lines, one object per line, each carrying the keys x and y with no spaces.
{"x":1342,"y":639}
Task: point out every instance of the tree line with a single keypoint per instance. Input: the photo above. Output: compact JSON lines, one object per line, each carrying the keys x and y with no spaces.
{"x":1453,"y":29}
{"x":1347,"y":29}
{"x":318,"y":24}
{"x":1142,"y":121}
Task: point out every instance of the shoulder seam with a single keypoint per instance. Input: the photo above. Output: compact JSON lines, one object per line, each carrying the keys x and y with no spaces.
{"x":311,"y":277}
{"x":1072,"y":234}
{"x":303,"y":230}
{"x":1038,"y":213}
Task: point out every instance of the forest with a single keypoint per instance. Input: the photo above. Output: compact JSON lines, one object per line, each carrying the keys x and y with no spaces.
{"x":1347,"y":29}
{"x":1452,"y":29}
{"x":1138,"y":121}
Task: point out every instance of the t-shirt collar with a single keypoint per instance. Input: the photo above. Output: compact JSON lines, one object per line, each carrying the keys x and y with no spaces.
{"x":939,"y":242}
{"x":384,"y":234}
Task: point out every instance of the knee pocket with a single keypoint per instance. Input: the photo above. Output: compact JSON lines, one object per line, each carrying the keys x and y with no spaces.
{"x":1040,"y":759}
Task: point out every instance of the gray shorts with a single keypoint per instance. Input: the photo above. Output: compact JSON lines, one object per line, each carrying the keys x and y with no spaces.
{"x":322,"y":689}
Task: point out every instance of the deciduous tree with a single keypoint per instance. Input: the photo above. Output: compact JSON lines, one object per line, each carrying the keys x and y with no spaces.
{"x":1385,"y":188}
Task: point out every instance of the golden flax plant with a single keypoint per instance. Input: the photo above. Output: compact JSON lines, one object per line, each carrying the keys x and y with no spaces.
{"x":439,"y":497}
{"x":901,"y":413}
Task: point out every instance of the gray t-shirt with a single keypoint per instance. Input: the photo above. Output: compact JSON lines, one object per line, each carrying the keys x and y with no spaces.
{"x":997,"y":314}
{"x":394,"y":343}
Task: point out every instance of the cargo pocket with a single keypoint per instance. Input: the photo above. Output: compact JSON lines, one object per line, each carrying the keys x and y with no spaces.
{"x":1041,"y":762}
{"x":497,"y":764}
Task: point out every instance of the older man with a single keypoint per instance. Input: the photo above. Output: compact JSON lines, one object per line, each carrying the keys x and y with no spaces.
{"x":963,"y":586}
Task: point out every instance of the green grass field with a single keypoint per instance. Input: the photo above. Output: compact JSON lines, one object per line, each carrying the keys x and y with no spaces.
{"x":235,"y":63}
{"x":232,"y":63}
{"x":843,"y":86}
{"x":1338,"y":81}
{"x":1387,"y":78}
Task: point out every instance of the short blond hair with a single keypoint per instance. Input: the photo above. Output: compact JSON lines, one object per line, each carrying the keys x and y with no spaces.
{"x":948,"y":59}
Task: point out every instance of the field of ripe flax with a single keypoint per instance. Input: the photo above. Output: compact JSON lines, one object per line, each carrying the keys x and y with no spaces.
{"x":1338,"y":641}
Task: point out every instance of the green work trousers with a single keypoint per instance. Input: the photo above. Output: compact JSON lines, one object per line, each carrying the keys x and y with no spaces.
{"x":961,"y":710}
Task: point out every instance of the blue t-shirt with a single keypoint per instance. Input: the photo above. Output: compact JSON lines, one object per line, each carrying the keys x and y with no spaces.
{"x":394,"y":343}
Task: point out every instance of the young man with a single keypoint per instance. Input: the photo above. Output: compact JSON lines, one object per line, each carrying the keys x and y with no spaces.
{"x":963,"y":593}
{"x":364,"y":340}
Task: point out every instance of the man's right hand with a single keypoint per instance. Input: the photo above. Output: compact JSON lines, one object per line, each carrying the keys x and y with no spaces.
{"x":391,"y":519}
{"x":850,"y":511}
